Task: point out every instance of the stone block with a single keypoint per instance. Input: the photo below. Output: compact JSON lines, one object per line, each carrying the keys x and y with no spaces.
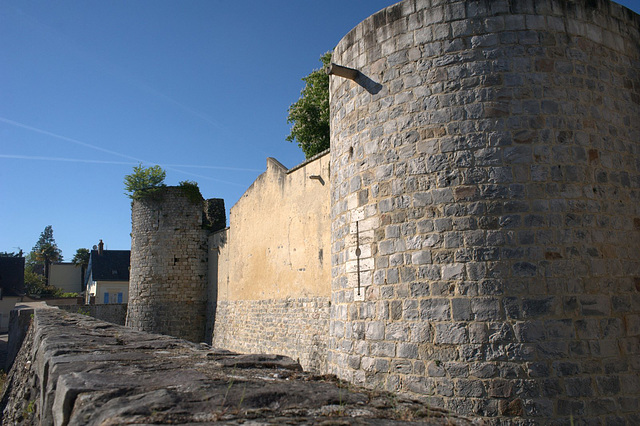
{"x":529,"y":331}
{"x":608,"y":385}
{"x":401,"y":366}
{"x":421,"y":257}
{"x":407,"y":350}
{"x":457,"y":369}
{"x":383,"y":349}
{"x":454,"y":333}
{"x":571,"y":407}
{"x":397,"y":331}
{"x":374,"y":330}
{"x":486,"y":309}
{"x":445,"y":387}
{"x":579,"y":387}
{"x":420,"y":333}
{"x":632,"y":325}
{"x":420,"y":384}
{"x":469,"y":388}
{"x":595,"y":305}
{"x":435,"y":309}
{"x":461,"y":309}
{"x":500,"y":388}
{"x":538,"y":307}
{"x":478,"y":333}
{"x":452,"y":272}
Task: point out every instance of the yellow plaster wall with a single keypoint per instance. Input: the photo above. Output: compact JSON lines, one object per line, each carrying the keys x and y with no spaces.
{"x":66,"y":276}
{"x":278,"y":242}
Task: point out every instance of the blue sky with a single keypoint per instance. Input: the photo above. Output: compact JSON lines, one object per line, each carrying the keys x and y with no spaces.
{"x":90,"y":88}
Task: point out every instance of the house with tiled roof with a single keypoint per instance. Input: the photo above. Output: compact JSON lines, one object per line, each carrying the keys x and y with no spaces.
{"x":107,"y":277}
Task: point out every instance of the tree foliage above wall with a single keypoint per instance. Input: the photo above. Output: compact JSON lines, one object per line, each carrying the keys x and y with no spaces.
{"x":46,"y":248}
{"x":310,"y":113}
{"x":44,"y":252}
{"x":81,"y":259}
{"x":144,"y":181}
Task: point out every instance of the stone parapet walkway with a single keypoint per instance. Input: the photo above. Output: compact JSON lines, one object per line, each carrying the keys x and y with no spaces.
{"x":74,"y":370}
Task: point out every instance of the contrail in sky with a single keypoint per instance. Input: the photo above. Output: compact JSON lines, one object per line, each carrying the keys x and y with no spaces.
{"x":119,"y":72}
{"x":125,"y":163}
{"x":71,"y":160}
{"x":44,"y":132}
{"x":108,"y":151}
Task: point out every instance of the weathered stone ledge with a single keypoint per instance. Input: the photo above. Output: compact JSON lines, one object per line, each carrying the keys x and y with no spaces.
{"x":74,"y":370}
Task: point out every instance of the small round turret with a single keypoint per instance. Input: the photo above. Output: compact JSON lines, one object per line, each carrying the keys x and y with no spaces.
{"x":168,"y":279}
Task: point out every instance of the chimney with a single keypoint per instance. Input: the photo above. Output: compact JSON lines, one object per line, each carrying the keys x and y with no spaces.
{"x":100,"y":247}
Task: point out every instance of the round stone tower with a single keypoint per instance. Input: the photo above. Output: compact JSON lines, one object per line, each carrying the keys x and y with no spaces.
{"x":168,"y":278}
{"x":485,"y":167}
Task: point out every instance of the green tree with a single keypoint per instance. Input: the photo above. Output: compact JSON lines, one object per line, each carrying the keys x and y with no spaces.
{"x":310,"y":113}
{"x":34,"y":284}
{"x":81,"y":259}
{"x":46,"y":251}
{"x":144,"y":180}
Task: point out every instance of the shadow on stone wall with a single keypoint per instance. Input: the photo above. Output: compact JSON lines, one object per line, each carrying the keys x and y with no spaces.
{"x":368,"y":84}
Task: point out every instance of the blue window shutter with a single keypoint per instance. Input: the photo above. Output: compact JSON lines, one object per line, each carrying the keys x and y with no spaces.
{"x":119,"y":297}
{"x":106,"y":298}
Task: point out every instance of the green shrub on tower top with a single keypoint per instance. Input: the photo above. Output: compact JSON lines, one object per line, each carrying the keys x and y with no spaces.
{"x":144,"y":181}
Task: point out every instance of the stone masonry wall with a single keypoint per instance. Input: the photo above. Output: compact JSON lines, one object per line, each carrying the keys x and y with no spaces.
{"x":114,"y":313}
{"x":168,"y":278}
{"x":485,"y":171}
{"x":296,"y":327}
